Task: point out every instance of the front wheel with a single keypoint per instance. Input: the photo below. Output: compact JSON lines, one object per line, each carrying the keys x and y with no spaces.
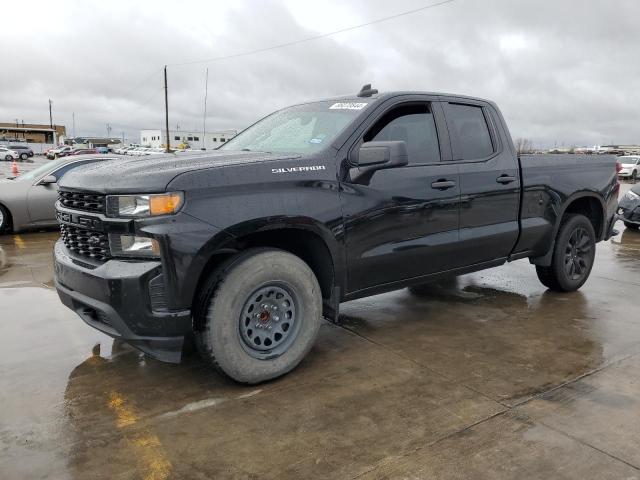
{"x":8,"y":158}
{"x":24,"y":156}
{"x":258,"y":315}
{"x":573,"y":256}
{"x":4,"y":219}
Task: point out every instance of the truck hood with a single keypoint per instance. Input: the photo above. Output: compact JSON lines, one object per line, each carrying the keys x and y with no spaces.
{"x":153,"y":173}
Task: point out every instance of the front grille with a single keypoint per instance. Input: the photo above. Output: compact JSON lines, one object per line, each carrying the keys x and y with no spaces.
{"x":87,"y":243}
{"x":87,"y":202}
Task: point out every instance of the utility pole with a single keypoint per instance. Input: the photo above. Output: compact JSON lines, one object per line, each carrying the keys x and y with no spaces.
{"x":50,"y":116}
{"x":204,"y":119}
{"x":166,"y":110}
{"x":123,"y":139}
{"x":73,"y":124}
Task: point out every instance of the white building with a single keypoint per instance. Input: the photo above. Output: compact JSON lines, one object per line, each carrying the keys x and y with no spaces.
{"x":186,"y":138}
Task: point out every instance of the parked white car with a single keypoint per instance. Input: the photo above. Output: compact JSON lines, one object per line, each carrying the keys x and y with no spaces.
{"x":124,"y":150}
{"x":8,"y":154}
{"x":139,"y":151}
{"x":630,"y":166}
{"x":61,"y":151}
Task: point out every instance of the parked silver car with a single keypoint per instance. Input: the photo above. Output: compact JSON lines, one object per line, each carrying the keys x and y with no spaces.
{"x":23,"y":151}
{"x":28,"y":201}
{"x":8,"y":154}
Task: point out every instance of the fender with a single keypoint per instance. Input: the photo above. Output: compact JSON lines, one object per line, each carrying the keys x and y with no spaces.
{"x":229,"y":241}
{"x":328,"y":236}
{"x":545,"y":260}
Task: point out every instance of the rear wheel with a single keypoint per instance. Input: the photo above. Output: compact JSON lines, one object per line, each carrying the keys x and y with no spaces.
{"x":573,"y":256}
{"x":24,"y":156}
{"x":259,"y":315}
{"x":634,"y":175}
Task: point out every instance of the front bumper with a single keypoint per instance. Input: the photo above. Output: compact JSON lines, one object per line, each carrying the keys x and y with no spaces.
{"x":629,"y":210}
{"x":115,"y":298}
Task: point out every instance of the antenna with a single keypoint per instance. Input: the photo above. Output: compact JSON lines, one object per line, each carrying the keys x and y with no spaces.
{"x":367,"y":91}
{"x":204,"y":117}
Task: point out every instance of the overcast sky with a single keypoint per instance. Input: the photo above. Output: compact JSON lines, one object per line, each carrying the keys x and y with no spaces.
{"x":562,"y":71}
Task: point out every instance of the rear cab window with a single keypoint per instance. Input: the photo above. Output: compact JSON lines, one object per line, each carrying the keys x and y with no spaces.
{"x":470,"y":131}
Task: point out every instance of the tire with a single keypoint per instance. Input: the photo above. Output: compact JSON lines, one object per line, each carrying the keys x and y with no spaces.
{"x":573,"y":256}
{"x":5,"y":219}
{"x":632,"y":226}
{"x":634,"y":175}
{"x":24,"y":156}
{"x":258,"y":315}
{"x":8,"y":158}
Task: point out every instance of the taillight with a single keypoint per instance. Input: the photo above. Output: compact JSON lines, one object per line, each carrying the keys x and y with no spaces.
{"x":616,"y":188}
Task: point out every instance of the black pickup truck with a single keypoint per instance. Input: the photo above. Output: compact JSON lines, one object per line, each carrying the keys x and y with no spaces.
{"x":248,"y":247}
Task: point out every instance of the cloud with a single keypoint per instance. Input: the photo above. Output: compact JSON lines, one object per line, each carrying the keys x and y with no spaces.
{"x":562,"y":71}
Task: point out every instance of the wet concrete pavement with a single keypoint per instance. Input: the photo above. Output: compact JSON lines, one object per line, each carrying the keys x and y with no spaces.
{"x":489,"y":376}
{"x":23,"y":166}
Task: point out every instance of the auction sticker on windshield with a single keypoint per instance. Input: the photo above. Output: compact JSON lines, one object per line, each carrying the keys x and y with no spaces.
{"x":348,"y":106}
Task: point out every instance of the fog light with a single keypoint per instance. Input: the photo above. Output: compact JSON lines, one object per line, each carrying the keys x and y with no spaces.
{"x":133,"y":246}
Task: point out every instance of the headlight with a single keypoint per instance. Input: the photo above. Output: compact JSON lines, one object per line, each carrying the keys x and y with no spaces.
{"x":632,"y":195}
{"x":137,"y":206}
{"x":133,"y":246}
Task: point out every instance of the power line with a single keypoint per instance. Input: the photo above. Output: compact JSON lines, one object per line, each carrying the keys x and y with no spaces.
{"x":277,"y":46}
{"x":142,"y":83}
{"x":151,"y":97}
{"x":315,"y":37}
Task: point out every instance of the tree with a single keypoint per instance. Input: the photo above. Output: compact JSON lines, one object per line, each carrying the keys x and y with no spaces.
{"x":524,"y":145}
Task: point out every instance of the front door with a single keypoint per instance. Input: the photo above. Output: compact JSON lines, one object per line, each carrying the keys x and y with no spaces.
{"x":403,"y":223}
{"x":41,"y":199}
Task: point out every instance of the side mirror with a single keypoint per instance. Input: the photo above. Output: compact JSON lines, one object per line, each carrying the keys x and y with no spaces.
{"x":48,"y":180}
{"x":374,"y":156}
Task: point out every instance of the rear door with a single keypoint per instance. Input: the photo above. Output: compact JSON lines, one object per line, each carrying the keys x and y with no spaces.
{"x":403,"y":223}
{"x":489,"y":182}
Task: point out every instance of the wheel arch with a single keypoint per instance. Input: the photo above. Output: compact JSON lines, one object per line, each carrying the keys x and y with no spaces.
{"x":588,"y":204}
{"x":585,"y":203}
{"x":313,"y":243}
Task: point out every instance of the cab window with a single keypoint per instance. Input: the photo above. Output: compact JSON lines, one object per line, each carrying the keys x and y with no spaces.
{"x":412,"y":124}
{"x":470,"y":127}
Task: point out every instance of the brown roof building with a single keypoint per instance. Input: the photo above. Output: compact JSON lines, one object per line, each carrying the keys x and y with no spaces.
{"x":31,"y":132}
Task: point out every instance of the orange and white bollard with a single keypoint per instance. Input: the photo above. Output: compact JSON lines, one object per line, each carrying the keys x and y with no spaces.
{"x":14,"y":168}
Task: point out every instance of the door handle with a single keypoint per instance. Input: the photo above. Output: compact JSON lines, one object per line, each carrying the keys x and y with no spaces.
{"x":505,"y":179}
{"x":443,"y":184}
